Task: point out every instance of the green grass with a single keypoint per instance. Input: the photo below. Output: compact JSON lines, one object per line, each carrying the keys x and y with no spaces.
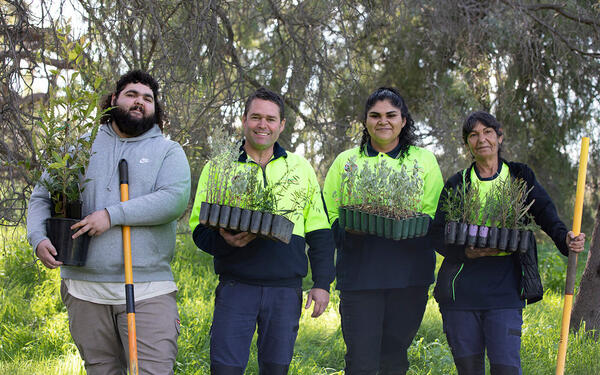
{"x":34,"y":334}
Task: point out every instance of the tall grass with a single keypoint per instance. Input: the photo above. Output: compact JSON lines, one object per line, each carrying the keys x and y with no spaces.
{"x":35,"y":339}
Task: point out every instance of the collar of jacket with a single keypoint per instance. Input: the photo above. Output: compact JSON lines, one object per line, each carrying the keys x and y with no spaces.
{"x":371,"y":152}
{"x":467,"y":172}
{"x":278,"y":152}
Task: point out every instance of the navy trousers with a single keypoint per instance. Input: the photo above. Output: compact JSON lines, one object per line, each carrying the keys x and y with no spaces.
{"x":471,"y":332}
{"x":379,"y":326}
{"x":239,"y":309}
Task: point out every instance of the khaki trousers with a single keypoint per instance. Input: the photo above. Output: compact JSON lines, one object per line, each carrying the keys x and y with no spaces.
{"x":100,"y":333}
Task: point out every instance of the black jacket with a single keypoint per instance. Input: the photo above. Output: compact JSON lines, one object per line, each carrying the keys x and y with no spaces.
{"x":495,"y":282}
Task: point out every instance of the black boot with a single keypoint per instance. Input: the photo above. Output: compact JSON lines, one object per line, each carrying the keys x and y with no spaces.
{"x":472,"y":365}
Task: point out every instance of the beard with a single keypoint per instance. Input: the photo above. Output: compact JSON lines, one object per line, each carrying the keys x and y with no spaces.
{"x":130,"y":125}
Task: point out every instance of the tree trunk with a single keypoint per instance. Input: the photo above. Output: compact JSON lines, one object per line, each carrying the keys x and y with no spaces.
{"x":587,"y":303}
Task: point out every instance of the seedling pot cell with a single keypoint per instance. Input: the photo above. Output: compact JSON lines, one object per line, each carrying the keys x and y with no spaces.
{"x":282,"y":228}
{"x":450,"y":233}
{"x":255,"y":222}
{"x":419,"y":225}
{"x":213,"y":219}
{"x":349,"y":218}
{"x":461,"y":235}
{"x":493,"y":237}
{"x":265,"y":225}
{"x":482,"y":236}
{"x":356,"y":220}
{"x":524,"y":241}
{"x":224,"y":216}
{"x":372,"y":224}
{"x":245,"y":219}
{"x":204,"y":213}
{"x":513,"y":240}
{"x":72,"y":252}
{"x":388,"y":225}
{"x":342,"y":217}
{"x":503,"y":239}
{"x":364,"y":222}
{"x":234,"y":218}
{"x":380,"y":225}
{"x":472,"y":234}
{"x":397,"y":229}
{"x":426,"y":221}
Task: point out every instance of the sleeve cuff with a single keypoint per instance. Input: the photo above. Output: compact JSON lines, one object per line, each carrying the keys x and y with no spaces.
{"x":117,"y":216}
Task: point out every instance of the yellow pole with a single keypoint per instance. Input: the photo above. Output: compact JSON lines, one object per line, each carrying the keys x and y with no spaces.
{"x":129,"y":297}
{"x":572,"y":265}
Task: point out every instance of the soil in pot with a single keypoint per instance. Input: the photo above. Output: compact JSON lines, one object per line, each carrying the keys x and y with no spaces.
{"x":234,"y":218}
{"x":461,"y":235}
{"x":472,"y":234}
{"x":255,"y":222}
{"x":245,"y":219}
{"x":265,"y":224}
{"x":482,"y":236}
{"x":525,"y":236}
{"x":513,"y":240}
{"x":450,"y":232}
{"x":204,"y":213}
{"x":503,"y":239}
{"x":224,"y":216}
{"x":72,"y":252}
{"x":282,"y":228}
{"x":493,"y":237}
{"x":213,"y":219}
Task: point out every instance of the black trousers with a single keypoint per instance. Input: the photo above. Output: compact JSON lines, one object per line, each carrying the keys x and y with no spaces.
{"x":379,"y":326}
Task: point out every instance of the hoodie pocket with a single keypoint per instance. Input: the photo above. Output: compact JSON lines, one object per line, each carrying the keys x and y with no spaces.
{"x":444,"y":291}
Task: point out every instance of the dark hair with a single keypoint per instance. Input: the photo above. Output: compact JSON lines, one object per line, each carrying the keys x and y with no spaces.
{"x":135,"y":76}
{"x":486,"y":120}
{"x":407,"y":136}
{"x":266,"y":94}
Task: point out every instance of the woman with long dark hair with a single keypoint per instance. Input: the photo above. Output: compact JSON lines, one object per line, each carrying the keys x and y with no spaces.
{"x":383,"y":283}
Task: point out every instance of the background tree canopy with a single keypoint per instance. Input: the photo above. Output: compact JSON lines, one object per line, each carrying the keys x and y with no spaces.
{"x":534,"y":65}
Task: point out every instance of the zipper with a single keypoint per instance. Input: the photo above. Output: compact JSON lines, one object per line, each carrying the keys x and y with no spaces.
{"x":454,"y":279}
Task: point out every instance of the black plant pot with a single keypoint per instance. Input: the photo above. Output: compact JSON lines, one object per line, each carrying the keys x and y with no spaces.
{"x":282,"y":228}
{"x":234,"y":218}
{"x":472,"y":234}
{"x":356,"y":220}
{"x":450,"y":232}
{"x":493,"y":237}
{"x":380,"y":225}
{"x":255,"y":222}
{"x":426,"y":222}
{"x":388,"y":224}
{"x":74,"y":210}
{"x":72,"y":252}
{"x":513,"y":240}
{"x":397,"y":229}
{"x":482,"y":236}
{"x":364,"y":222}
{"x":419,"y":225}
{"x":224,"y":216}
{"x":461,"y":235}
{"x":265,"y":224}
{"x":213,"y":219}
{"x":372,"y":224}
{"x":204,"y":213}
{"x":245,"y":219}
{"x":342,"y":217}
{"x":503,"y":239}
{"x":349,"y":218}
{"x":524,"y":241}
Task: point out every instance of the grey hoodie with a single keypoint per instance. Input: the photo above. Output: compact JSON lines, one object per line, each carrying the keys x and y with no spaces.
{"x":159,"y":189}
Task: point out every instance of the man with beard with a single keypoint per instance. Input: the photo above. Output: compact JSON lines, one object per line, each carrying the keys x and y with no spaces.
{"x":159,"y":186}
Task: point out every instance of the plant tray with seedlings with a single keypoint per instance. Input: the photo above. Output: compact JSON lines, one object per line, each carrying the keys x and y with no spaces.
{"x":357,"y":220}
{"x":382,"y":199}
{"x":236,"y":219}
{"x":506,"y":223}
